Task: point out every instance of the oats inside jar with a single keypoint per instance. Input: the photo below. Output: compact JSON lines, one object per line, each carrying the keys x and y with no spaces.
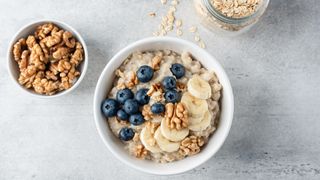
{"x":163,"y":105}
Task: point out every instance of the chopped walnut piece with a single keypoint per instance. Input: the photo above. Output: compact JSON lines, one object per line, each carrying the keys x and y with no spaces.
{"x":43,"y":30}
{"x":55,"y":38}
{"x":17,"y":49}
{"x":181,"y":86}
{"x":154,"y":88}
{"x":77,"y":56}
{"x":176,"y":116}
{"x":155,"y":62}
{"x":68,"y":39}
{"x":61,"y":52}
{"x":132,"y":80}
{"x":146,"y":112}
{"x":140,"y":152}
{"x":45,"y":86}
{"x":23,"y":64}
{"x":191,"y":145}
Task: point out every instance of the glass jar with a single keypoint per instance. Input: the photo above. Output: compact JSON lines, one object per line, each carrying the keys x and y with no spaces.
{"x":222,"y":24}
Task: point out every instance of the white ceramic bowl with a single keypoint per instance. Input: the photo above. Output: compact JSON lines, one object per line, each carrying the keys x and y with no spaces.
{"x":115,"y":145}
{"x":30,"y":29}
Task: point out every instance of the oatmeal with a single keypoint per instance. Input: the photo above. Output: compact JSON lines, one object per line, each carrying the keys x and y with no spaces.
{"x":163,"y":105}
{"x":48,"y":59}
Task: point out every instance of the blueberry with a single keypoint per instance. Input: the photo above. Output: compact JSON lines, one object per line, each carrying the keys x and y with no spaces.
{"x":172,"y":96}
{"x":124,"y":94}
{"x":136,"y":119}
{"x":109,"y":107}
{"x":142,"y":96}
{"x":126,"y":134}
{"x":122,"y":115}
{"x":178,"y":70}
{"x":131,"y":106}
{"x":169,"y":82}
{"x":145,"y":73}
{"x":157,"y":108}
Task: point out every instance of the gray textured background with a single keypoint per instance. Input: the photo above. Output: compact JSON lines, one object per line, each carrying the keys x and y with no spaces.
{"x":274,"y":70}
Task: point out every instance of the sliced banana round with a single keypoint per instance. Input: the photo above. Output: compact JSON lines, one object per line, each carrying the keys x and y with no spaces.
{"x":196,"y":107}
{"x":195,"y":120}
{"x":199,"y":88}
{"x":165,"y":144}
{"x":173,"y":134}
{"x":148,"y":140}
{"x":203,"y":124}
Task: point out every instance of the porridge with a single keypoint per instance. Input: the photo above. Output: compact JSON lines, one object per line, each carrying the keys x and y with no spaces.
{"x":163,"y":105}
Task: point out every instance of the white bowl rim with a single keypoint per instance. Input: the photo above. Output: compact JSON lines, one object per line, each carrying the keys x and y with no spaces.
{"x":96,"y":104}
{"x":77,"y":35}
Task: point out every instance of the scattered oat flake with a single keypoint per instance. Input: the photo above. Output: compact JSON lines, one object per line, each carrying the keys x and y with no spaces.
{"x":193,"y":29}
{"x":197,"y":38}
{"x":174,"y":2}
{"x":202,"y":45}
{"x":152,"y":14}
{"x":156,"y":33}
{"x":179,"y":23}
{"x":163,"y":1}
{"x":179,"y":32}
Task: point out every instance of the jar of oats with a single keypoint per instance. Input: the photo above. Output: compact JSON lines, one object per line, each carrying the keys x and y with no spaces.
{"x":230,"y":17}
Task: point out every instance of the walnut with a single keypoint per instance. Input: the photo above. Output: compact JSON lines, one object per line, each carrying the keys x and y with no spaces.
{"x":43,"y":30}
{"x":154,"y":88}
{"x":64,"y":66}
{"x":132,"y":80}
{"x":23,"y":64}
{"x":77,"y":56}
{"x":60,"y":53}
{"x":51,"y":75}
{"x":27,"y":76}
{"x":155,"y":62}
{"x":37,"y":57}
{"x":181,"y":86}
{"x":31,"y":41}
{"x":156,"y":92}
{"x":140,"y":152}
{"x":191,"y":145}
{"x":146,"y":112}
{"x":17,"y":49}
{"x":68,"y":39}
{"x":45,"y":86}
{"x":176,"y":116}
{"x":67,"y":79}
{"x":55,"y":38}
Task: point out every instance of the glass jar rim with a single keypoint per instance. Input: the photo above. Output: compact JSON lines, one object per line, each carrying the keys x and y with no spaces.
{"x":227,"y":19}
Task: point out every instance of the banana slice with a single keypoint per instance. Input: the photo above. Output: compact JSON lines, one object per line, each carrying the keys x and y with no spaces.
{"x":164,"y":143}
{"x":203,"y":124}
{"x":196,"y":107}
{"x":148,"y":140}
{"x":199,"y":88}
{"x":195,"y":120}
{"x":173,"y":134}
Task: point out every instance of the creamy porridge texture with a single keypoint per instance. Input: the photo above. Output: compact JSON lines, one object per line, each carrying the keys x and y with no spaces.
{"x":163,"y":105}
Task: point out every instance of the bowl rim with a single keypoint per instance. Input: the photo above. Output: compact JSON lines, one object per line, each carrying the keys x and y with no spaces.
{"x":63,"y":25}
{"x":130,"y":47}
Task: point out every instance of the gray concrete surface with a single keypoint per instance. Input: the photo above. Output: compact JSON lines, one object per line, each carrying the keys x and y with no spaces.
{"x":274,"y":69}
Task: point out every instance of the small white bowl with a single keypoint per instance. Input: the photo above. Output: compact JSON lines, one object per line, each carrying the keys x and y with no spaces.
{"x":104,"y":85}
{"x":29,"y":29}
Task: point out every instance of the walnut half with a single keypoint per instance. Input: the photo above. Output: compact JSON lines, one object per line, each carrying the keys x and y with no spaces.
{"x":191,"y":145}
{"x":176,"y":116}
